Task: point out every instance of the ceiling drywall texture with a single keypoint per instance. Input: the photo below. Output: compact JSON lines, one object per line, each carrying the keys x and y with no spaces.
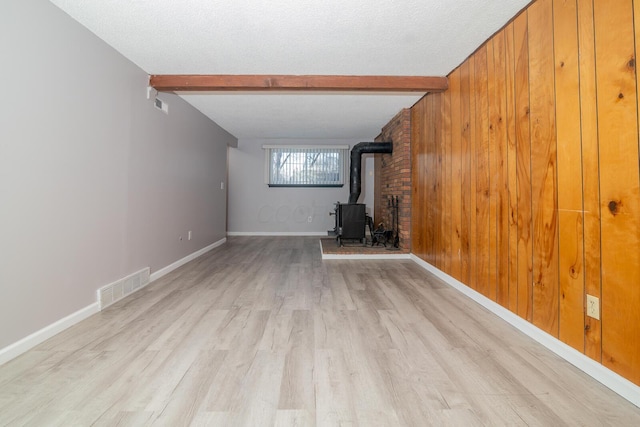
{"x":342,"y":37}
{"x":308,"y":115}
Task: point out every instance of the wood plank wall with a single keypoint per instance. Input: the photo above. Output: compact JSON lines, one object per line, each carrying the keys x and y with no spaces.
{"x":526,"y":174}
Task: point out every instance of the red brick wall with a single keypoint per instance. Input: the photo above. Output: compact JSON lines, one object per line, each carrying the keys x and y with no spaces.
{"x":393,"y":176}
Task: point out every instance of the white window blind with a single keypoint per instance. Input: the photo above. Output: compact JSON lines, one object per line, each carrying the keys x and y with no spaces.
{"x":305,"y":166}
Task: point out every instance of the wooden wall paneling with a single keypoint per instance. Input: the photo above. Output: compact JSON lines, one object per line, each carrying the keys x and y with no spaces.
{"x":538,"y":135}
{"x":619,"y":186}
{"x":635,"y":299}
{"x":473,"y":132}
{"x":512,"y":177}
{"x":482,"y":171}
{"x":428,"y":217}
{"x":426,"y":212}
{"x":437,"y":199}
{"x":434,"y":196}
{"x":431,"y":216}
{"x":493,"y":171}
{"x":437,"y":190}
{"x":456,"y":174}
{"x":421,"y":214}
{"x":523,"y":167}
{"x":447,"y":183}
{"x":465,"y":216}
{"x":543,"y":167}
{"x":424,"y":178}
{"x":591,"y":168}
{"x":501,"y":176}
{"x":636,"y":27}
{"x":417,"y":176}
{"x":434,"y":209}
{"x":430,"y":213}
{"x":428,"y":185}
{"x":424,"y":181}
{"x":570,"y":217}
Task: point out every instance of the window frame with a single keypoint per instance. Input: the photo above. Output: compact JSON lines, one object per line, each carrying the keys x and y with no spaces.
{"x":342,"y":150}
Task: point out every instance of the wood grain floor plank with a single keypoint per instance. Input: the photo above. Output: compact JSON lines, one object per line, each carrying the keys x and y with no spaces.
{"x":277,"y":331}
{"x":334,"y":395}
{"x":293,"y":418}
{"x":257,"y":401}
{"x":187,"y":397}
{"x":261,"y":331}
{"x":296,"y":389}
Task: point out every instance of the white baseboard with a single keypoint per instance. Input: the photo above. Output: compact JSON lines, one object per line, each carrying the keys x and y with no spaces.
{"x":16,"y":349}
{"x":168,"y":269}
{"x":597,"y":371}
{"x":118,"y":290}
{"x":390,"y":255}
{"x":365,"y":256}
{"x":277,"y":233}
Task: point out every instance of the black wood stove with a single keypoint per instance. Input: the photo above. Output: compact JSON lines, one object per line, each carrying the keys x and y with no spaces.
{"x":351,"y":221}
{"x":351,"y":218}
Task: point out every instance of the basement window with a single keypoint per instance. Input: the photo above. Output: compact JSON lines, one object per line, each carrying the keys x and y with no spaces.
{"x":305,"y":166}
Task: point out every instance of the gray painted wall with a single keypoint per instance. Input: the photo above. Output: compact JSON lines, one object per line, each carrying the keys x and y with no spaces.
{"x":95,"y":183}
{"x":256,"y":208}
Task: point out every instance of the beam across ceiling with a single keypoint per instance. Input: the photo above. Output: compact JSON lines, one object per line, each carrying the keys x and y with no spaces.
{"x":229,"y":82}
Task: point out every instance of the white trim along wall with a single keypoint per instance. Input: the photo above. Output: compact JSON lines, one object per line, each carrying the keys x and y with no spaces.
{"x":27,"y":343}
{"x":615,"y":382}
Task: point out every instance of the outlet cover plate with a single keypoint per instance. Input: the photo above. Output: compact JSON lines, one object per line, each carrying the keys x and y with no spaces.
{"x":593,"y":307}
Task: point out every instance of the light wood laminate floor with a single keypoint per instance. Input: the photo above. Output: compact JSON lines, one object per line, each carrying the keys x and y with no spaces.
{"x":261,"y":331}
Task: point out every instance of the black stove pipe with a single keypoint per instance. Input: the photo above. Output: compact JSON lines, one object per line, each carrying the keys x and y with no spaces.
{"x":355,"y":175}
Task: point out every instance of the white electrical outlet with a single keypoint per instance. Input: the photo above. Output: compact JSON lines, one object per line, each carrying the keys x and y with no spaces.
{"x":189,"y":235}
{"x":222,"y":185}
{"x":309,"y":219}
{"x":593,"y":307}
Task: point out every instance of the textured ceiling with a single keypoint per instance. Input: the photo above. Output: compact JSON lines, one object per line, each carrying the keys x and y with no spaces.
{"x":342,"y":37}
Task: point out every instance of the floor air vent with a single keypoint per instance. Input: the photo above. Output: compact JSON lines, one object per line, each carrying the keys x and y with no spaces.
{"x":119,"y":289}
